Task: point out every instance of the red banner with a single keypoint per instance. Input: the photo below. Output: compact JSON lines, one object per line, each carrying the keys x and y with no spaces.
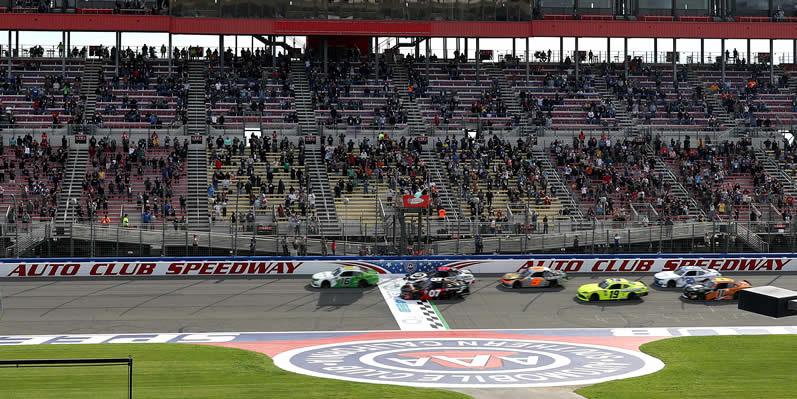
{"x":410,"y":201}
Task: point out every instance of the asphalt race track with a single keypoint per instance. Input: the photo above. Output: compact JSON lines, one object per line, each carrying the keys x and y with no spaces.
{"x":289,"y":304}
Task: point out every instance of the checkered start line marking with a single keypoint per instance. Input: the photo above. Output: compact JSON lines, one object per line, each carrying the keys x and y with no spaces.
{"x":411,"y":315}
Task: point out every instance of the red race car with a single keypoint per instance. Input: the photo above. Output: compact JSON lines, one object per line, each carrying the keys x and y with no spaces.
{"x":434,"y":288}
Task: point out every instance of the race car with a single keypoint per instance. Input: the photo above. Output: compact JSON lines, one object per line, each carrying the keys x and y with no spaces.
{"x":535,"y":277}
{"x":717,"y":288}
{"x":434,"y":288}
{"x":683,"y":276}
{"x":612,"y":288}
{"x":345,"y":276}
{"x":444,"y":272}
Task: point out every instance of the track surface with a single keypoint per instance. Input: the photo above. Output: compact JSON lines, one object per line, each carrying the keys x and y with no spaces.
{"x":131,"y":306}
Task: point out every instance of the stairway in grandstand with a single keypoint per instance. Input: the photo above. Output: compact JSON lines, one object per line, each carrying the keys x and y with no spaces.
{"x":559,"y":186}
{"x":91,"y":79}
{"x":197,"y":188}
{"x":624,"y":120}
{"x":197,"y":115}
{"x":712,"y":99}
{"x":671,"y":181}
{"x":437,"y":175}
{"x":317,"y":176}
{"x":777,"y":170}
{"x":509,"y":97}
{"x":72,"y":188}
{"x":402,"y":83}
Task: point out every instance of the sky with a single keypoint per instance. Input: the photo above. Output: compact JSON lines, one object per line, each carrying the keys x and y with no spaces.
{"x":637,"y":47}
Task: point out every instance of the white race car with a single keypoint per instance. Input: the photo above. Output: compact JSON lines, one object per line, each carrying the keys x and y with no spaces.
{"x":684,"y":276}
{"x":462,"y":275}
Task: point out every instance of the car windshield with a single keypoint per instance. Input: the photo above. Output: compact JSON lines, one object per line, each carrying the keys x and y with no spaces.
{"x":604,"y":284}
{"x":680,"y":272}
{"x":525,"y":273}
{"x":337,"y":272}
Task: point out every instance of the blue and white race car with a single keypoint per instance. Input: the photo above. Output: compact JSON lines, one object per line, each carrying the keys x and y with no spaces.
{"x":683,"y":276}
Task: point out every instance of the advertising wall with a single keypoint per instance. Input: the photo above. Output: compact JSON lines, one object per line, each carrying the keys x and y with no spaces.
{"x":251,"y":267}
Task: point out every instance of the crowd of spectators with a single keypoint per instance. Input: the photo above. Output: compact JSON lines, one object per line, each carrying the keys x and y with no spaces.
{"x":611,"y":174}
{"x":340,"y":90}
{"x":483,"y":167}
{"x":116,"y":172}
{"x":254,"y":179}
{"x":137,"y":73}
{"x":34,"y":172}
{"x":726,"y":178}
{"x":367,"y":165}
{"x":249,"y":82}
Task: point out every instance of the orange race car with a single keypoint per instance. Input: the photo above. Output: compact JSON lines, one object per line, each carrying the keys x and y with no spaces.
{"x":717,"y":288}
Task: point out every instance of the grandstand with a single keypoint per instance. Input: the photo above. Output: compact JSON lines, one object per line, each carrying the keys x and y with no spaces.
{"x":510,"y":150}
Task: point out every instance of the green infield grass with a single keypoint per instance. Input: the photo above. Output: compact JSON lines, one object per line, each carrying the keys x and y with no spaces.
{"x":750,"y":367}
{"x":165,"y":371}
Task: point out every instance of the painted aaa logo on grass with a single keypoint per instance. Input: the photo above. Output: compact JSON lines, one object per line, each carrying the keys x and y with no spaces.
{"x":463,"y":362}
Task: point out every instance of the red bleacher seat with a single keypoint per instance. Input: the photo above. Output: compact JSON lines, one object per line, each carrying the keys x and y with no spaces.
{"x":597,"y":17}
{"x":694,"y":18}
{"x":655,"y":18}
{"x":751,"y":19}
{"x":94,"y":11}
{"x":558,"y":17}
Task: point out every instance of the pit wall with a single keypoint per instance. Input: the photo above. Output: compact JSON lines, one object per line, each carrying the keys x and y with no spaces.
{"x":214,"y":267}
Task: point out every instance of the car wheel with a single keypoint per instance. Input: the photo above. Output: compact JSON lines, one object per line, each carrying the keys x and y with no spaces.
{"x":594,"y":298}
{"x":325,"y":284}
{"x":736,"y":295}
{"x":671,"y":284}
{"x":554,"y":283}
{"x":516,"y":284}
{"x":362,"y":284}
{"x":701,"y":297}
{"x":632,"y":297}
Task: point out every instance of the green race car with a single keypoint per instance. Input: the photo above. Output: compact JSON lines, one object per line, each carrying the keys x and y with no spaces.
{"x":612,"y":288}
{"x":345,"y":276}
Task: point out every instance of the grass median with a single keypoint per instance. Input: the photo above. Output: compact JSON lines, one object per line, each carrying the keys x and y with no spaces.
{"x":166,"y":371}
{"x":751,"y":366}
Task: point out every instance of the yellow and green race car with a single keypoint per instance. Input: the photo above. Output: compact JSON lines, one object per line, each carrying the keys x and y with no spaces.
{"x":611,"y":289}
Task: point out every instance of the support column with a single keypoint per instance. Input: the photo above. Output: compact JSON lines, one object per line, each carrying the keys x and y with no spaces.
{"x":16,"y":44}
{"x":608,"y":50}
{"x":467,"y":55}
{"x":273,"y":51}
{"x":68,"y":43}
{"x":478,"y":59}
{"x":576,"y":58}
{"x":749,"y":54}
{"x":772,"y":61}
{"x":417,"y":48}
{"x":655,"y":50}
{"x":325,"y":56}
{"x":702,"y":50}
{"x":235,"y":53}
{"x":722,"y":59}
{"x":561,"y":49}
{"x":63,"y":56}
{"x":445,"y":48}
{"x":457,"y":44}
{"x":428,"y":53}
{"x":675,"y":61}
{"x":9,"y":55}
{"x":376,"y":58}
{"x":118,"y":50}
{"x":170,"y":53}
{"x":221,"y":53}
{"x":794,"y":51}
{"x":514,"y":47}
{"x":527,"y":59}
{"x":625,"y":57}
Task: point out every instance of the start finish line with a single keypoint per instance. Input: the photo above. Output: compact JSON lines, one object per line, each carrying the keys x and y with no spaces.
{"x":276,"y":266}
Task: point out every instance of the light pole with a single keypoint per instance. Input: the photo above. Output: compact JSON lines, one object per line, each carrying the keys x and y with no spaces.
{"x":16,"y":225}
